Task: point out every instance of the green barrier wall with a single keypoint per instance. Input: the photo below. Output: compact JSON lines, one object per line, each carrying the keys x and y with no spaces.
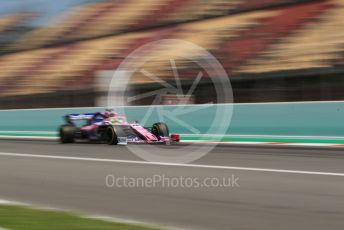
{"x":292,"y":119}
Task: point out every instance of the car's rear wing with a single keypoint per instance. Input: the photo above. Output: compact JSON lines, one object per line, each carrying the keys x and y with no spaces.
{"x":80,"y":116}
{"x":70,"y":118}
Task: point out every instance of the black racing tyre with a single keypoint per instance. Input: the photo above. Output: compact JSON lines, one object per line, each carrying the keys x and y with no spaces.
{"x":160,"y":129}
{"x":110,"y":136}
{"x":67,"y":133}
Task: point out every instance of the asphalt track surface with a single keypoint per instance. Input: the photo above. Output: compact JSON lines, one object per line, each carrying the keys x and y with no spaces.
{"x":295,"y":199}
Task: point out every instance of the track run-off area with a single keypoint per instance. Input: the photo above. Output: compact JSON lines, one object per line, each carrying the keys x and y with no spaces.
{"x":272,"y":187}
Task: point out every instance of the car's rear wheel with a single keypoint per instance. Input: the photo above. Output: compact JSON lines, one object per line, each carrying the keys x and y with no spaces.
{"x":110,"y":136}
{"x":67,"y":133}
{"x":160,"y":129}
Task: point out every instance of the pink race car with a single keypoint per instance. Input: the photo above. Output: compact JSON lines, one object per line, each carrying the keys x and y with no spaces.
{"x":112,"y":129}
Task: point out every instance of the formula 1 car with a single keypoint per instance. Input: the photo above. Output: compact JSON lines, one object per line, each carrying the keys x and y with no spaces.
{"x":112,"y":129}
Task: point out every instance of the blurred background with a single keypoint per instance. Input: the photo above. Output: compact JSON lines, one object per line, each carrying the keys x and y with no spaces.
{"x":62,"y":53}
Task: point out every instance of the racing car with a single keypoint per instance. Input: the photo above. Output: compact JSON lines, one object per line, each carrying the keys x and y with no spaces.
{"x":111,"y":128}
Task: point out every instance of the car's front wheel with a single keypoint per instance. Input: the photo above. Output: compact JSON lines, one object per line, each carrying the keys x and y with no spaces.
{"x":110,"y":136}
{"x":160,"y":129}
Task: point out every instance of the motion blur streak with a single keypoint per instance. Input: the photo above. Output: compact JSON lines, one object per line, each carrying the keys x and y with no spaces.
{"x":171,"y":164}
{"x":293,"y":46}
{"x":64,"y":54}
{"x":268,"y":200}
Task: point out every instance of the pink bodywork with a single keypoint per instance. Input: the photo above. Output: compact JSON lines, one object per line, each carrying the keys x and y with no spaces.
{"x":144,"y":132}
{"x":89,"y":129}
{"x":149,"y":137}
{"x":115,"y":119}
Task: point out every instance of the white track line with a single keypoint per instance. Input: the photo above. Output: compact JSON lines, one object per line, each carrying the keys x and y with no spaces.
{"x":263,"y":143}
{"x":9,"y":202}
{"x":170,"y":164}
{"x":263,"y":136}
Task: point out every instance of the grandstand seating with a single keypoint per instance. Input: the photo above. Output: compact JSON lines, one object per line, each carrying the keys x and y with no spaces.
{"x":260,"y":41}
{"x":55,"y":31}
{"x":8,"y":23}
{"x":115,"y":16}
{"x":246,"y":5}
{"x":271,"y":29}
{"x":63,"y":64}
{"x":91,"y":20}
{"x":206,"y":34}
{"x":239,"y":46}
{"x":317,"y":45}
